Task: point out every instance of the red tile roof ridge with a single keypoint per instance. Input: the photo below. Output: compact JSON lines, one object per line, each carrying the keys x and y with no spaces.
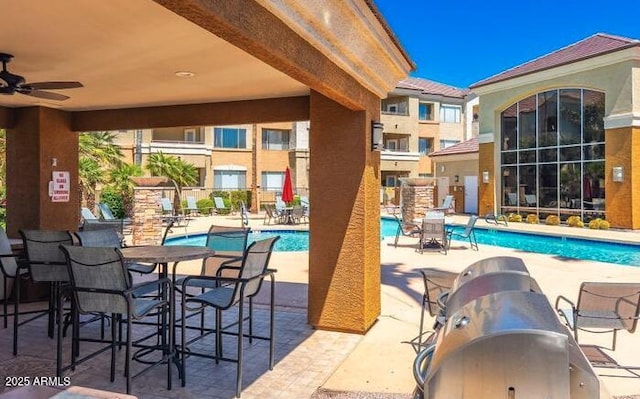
{"x":509,"y":73}
{"x":464,"y":147}
{"x":427,"y":86}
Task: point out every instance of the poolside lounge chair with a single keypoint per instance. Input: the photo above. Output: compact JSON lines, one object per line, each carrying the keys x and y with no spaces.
{"x":220,"y":207}
{"x":601,"y":308}
{"x":192,"y":207}
{"x":466,"y":232}
{"x":170,"y":215}
{"x":447,"y":205}
{"x":87,"y":215}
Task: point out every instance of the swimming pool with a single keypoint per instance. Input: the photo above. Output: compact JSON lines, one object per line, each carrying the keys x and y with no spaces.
{"x":622,"y":254}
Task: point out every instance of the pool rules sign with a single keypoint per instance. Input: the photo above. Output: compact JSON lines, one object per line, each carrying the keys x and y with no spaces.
{"x":60,"y":189}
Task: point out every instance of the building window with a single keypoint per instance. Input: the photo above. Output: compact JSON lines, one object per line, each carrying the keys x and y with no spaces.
{"x":394,"y":106}
{"x":275,"y":139}
{"x":272,"y":181}
{"x":450,"y":113}
{"x":229,"y":137}
{"x":425,"y":145}
{"x":425,"y":112}
{"x":552,"y":154}
{"x":448,"y":143}
{"x":229,"y":179}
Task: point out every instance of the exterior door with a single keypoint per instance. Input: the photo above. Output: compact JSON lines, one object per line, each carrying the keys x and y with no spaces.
{"x":471,"y":194}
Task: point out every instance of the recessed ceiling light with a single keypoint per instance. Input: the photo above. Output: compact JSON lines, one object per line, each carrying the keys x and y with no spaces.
{"x":185,"y":74}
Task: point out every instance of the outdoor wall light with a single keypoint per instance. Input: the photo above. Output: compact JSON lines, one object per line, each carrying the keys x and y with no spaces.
{"x":485,"y":176}
{"x":376,"y":136}
{"x":618,"y":173}
{"x":456,"y":178}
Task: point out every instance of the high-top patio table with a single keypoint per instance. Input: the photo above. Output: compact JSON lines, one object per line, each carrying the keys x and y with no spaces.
{"x":162,"y":256}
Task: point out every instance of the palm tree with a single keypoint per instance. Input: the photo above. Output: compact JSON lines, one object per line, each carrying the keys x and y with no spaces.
{"x":90,"y":174}
{"x":182,"y":173}
{"x":97,"y":153}
{"x":120,"y":179}
{"x":101,"y":147}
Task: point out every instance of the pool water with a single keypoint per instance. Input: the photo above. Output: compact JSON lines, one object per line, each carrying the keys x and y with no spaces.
{"x":622,"y":254}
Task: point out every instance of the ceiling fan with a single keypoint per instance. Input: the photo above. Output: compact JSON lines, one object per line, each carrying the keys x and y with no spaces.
{"x":17,"y":84}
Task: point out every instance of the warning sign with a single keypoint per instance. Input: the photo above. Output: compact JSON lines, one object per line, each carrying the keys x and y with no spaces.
{"x":61,"y":187}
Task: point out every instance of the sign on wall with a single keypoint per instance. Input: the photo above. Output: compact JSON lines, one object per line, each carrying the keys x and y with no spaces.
{"x":61,"y":186}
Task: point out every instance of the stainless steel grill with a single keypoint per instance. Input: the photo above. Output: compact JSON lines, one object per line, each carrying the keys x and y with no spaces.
{"x":502,"y":339}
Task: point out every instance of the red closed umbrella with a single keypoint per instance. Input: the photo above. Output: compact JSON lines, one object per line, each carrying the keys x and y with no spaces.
{"x":287,"y":188}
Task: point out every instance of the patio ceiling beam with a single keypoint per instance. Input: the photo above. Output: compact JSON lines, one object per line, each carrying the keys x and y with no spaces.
{"x":225,"y":113}
{"x":274,"y":40}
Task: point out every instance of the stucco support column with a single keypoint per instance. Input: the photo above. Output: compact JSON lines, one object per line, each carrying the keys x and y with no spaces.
{"x":344,"y":253}
{"x":622,"y":148}
{"x":38,"y":136}
{"x":486,"y":163}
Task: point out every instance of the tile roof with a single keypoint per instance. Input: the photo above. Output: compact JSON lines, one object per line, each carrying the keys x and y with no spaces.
{"x":592,"y":46}
{"x":430,"y":87}
{"x":465,"y":147}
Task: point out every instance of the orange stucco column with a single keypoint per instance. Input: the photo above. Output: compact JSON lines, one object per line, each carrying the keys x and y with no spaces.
{"x":486,"y":200}
{"x":344,"y":250}
{"x":39,"y":136}
{"x":622,"y":148}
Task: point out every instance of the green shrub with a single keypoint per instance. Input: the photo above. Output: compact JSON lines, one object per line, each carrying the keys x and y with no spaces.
{"x":574,"y":221}
{"x":599,"y":224}
{"x":240,"y":195}
{"x":113,"y":199}
{"x":205,"y":206}
{"x":533,"y":219}
{"x":514,"y":217}
{"x":552,"y":220}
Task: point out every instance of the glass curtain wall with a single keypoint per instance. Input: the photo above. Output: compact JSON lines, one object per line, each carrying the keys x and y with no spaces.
{"x":552,"y":154}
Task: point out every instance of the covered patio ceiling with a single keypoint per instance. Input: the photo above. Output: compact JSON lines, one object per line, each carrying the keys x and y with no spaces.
{"x":127,"y":53}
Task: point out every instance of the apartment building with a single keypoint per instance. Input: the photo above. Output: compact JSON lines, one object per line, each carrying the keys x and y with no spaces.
{"x":252,"y":157}
{"x":422,"y":116}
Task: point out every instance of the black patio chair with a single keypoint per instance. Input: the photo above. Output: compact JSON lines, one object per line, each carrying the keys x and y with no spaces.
{"x":100,"y":284}
{"x":466,"y":232}
{"x":226,"y":293}
{"x":46,"y":264}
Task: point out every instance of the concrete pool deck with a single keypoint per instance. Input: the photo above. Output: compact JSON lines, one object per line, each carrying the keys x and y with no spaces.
{"x":381,"y":360}
{"x":323,"y":364}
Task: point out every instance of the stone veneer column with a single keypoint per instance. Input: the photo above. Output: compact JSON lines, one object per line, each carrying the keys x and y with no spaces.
{"x":417,"y":198}
{"x":147,"y":216}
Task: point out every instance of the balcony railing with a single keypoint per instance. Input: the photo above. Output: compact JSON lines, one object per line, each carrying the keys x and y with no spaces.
{"x":397,"y":155}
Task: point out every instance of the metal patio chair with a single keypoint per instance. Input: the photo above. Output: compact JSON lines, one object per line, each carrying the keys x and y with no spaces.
{"x":464,"y":232}
{"x":228,"y":293}
{"x":406,"y":229}
{"x":100,"y":284}
{"x":437,"y":284}
{"x":602,"y":308}
{"x":46,"y":264}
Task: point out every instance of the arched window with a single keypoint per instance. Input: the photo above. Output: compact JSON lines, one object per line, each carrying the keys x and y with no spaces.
{"x":552,"y":154}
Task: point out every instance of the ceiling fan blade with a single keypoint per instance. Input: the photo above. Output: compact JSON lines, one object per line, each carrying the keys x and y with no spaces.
{"x":53,"y":85}
{"x":47,"y":95}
